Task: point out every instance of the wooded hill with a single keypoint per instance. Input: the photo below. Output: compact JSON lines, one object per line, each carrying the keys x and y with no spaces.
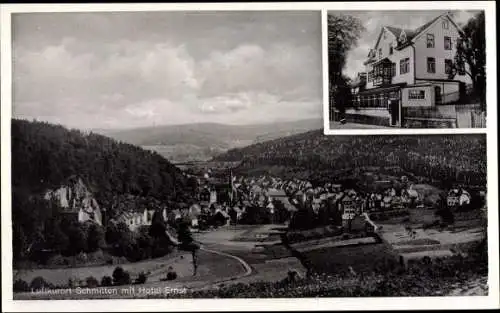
{"x":45,"y":155}
{"x":448,"y":159}
{"x":120,"y":177}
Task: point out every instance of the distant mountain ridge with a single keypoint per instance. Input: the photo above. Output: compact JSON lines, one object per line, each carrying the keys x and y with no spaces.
{"x":198,"y":133}
{"x":202,"y":141}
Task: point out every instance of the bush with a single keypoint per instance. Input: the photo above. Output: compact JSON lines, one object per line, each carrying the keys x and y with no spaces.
{"x":20,"y":286}
{"x":121,"y":277}
{"x":57,"y":260}
{"x":171,"y":274}
{"x":39,"y":283}
{"x":106,"y":281}
{"x":91,"y":282}
{"x":141,"y":279}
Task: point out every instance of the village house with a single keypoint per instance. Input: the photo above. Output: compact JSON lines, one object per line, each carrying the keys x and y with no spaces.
{"x":410,"y":196}
{"x":347,"y":206}
{"x":207,"y":196}
{"x":408,"y":70}
{"x":457,"y":197}
{"x":136,"y":219}
{"x":276,"y":194}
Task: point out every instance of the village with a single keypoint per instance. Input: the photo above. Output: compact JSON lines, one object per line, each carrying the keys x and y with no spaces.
{"x":266,"y":228}
{"x":271,"y":200}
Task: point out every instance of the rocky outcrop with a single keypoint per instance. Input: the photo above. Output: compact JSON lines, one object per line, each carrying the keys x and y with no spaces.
{"x":76,"y":199}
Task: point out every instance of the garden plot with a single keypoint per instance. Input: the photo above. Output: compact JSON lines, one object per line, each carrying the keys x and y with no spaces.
{"x":328,"y":243}
{"x":362,"y":258}
{"x":61,"y":276}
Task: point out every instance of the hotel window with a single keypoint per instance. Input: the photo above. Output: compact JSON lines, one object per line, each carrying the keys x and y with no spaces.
{"x":430,"y":40}
{"x":391,"y":49}
{"x":393,"y":69}
{"x":416,"y":94}
{"x":445,"y":24}
{"x":447,"y":43}
{"x":404,"y":66}
{"x":380,"y":53}
{"x":448,"y":65}
{"x":431,"y":65}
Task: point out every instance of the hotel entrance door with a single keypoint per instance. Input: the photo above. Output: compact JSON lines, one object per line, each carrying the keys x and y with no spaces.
{"x":394,"y":107}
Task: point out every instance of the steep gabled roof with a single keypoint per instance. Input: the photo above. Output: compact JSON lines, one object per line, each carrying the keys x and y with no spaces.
{"x":412,"y":33}
{"x":424,"y":27}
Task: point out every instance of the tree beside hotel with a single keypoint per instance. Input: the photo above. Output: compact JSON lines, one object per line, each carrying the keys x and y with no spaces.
{"x":343,"y":34}
{"x":471,"y":50}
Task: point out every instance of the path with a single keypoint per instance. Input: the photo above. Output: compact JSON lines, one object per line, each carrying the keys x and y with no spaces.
{"x":248,"y":269}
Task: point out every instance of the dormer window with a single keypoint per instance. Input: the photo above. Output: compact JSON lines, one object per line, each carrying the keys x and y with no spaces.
{"x":380,"y":53}
{"x":402,"y":37}
{"x":446,"y":24}
{"x":391,"y":49}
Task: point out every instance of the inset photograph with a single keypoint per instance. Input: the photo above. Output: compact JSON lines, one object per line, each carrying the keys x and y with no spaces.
{"x":406,"y":69}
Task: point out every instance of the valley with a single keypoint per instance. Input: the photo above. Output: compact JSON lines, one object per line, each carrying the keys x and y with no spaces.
{"x":320,"y":212}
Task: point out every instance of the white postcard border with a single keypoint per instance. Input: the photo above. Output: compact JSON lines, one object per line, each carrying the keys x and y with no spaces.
{"x":486,"y":302}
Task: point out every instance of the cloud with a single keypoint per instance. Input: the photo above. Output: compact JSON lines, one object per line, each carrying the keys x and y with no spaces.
{"x":281,"y":69}
{"x":138,"y":69}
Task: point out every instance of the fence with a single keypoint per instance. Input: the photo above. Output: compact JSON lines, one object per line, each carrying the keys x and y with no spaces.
{"x":469,"y":116}
{"x":445,"y":116}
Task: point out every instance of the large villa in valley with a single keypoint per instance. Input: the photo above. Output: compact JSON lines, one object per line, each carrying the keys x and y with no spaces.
{"x":410,"y":77}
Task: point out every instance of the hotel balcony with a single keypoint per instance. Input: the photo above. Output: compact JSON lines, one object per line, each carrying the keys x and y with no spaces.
{"x":383,"y":71}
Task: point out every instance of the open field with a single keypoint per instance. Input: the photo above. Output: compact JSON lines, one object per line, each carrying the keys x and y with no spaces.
{"x":270,"y":261}
{"x":362,"y":258}
{"x":61,"y":276}
{"x":211,"y":267}
{"x":217,"y":265}
{"x":330,"y":243}
{"x":263,"y":233}
{"x":431,"y":242}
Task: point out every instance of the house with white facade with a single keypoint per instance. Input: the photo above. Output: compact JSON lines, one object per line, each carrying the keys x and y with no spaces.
{"x":457,"y":197}
{"x":137,"y":218}
{"x":410,"y":70}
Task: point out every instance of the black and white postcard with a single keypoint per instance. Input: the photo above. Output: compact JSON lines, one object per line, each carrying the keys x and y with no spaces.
{"x":284,"y":156}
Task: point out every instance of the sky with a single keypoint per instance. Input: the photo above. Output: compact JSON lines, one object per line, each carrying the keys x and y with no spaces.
{"x":373,"y":21}
{"x":135,"y":69}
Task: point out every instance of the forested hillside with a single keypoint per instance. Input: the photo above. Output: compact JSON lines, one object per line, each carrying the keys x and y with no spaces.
{"x":120,"y":176}
{"x":45,"y":155}
{"x":314,"y":156}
